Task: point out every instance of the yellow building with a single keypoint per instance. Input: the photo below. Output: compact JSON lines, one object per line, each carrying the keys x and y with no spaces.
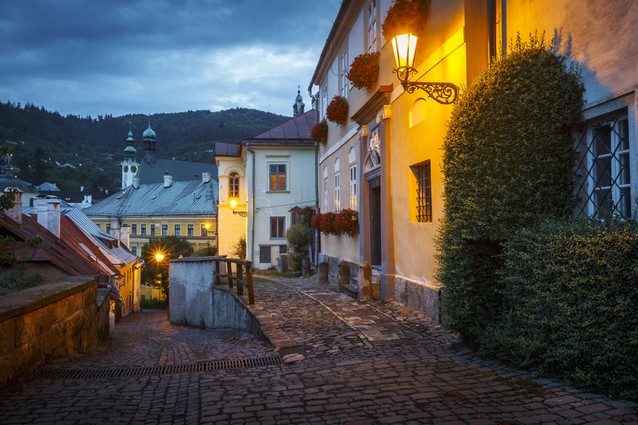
{"x":187,"y":209}
{"x":385,"y":161}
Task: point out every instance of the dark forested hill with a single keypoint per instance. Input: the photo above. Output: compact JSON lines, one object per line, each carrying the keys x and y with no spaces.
{"x":44,"y":141}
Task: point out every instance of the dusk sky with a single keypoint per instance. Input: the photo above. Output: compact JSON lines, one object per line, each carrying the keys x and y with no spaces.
{"x":98,"y":57}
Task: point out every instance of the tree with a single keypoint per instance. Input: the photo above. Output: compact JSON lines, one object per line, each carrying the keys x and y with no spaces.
{"x":157,"y":254}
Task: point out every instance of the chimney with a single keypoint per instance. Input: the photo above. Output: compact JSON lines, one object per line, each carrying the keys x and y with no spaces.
{"x":125,"y":235}
{"x":15,"y":213}
{"x":136,"y":182}
{"x":206,"y":177}
{"x":168,"y":180}
{"x":48,"y":212}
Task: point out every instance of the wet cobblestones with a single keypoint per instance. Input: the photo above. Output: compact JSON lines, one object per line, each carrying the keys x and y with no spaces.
{"x":355,"y":364}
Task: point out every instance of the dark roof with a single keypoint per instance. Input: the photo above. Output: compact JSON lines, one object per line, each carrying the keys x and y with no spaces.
{"x":296,"y":131}
{"x":226,"y":149}
{"x":180,"y":170}
{"x":52,"y":249}
{"x":182,"y":198}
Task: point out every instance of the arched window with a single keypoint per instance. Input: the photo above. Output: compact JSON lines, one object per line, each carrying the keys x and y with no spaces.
{"x":233,"y":185}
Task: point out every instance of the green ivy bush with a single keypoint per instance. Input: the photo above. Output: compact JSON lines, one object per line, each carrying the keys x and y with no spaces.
{"x":571,"y":297}
{"x":507,"y":163}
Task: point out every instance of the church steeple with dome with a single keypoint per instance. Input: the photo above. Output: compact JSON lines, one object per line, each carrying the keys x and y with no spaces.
{"x":130,"y":166}
{"x":298,"y":107}
{"x":149,"y":144}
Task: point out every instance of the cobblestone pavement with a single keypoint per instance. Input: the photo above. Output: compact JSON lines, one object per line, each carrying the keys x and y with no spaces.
{"x":343,"y":363}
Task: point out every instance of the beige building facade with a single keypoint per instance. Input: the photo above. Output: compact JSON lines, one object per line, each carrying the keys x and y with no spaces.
{"x":394,"y":138}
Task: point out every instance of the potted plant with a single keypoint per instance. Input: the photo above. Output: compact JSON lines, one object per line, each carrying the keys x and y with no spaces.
{"x":337,"y":110}
{"x":319,"y":131}
{"x":405,"y":16}
{"x":364,"y":71}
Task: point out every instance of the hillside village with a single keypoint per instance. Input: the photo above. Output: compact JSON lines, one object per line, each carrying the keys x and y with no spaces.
{"x":470,"y":184}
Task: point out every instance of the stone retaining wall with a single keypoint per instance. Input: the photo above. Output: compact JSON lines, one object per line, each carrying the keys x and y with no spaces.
{"x":41,"y":324}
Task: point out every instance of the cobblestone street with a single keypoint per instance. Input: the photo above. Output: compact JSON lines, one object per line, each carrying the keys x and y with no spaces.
{"x":329,"y":360}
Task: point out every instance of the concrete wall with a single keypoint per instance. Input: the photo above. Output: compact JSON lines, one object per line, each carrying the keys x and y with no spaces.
{"x":41,"y":324}
{"x":195,"y":301}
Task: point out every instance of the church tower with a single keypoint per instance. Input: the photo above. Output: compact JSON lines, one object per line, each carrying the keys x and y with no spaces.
{"x":298,"y":107}
{"x":129,"y":166}
{"x":149,"y":144}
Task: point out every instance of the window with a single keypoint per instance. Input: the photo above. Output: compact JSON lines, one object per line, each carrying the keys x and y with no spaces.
{"x":325,"y":189}
{"x":608,"y":168}
{"x":202,"y":230}
{"x":296,"y":216}
{"x":264,"y":254}
{"x":108,"y":227}
{"x":143,"y":229}
{"x":277,"y":228}
{"x":152,"y":230}
{"x":134,"y":250}
{"x":283,"y":249}
{"x":324,"y":100}
{"x":337,"y":185}
{"x":277,"y":177}
{"x":191,"y":230}
{"x":178,"y":230}
{"x":164,"y":229}
{"x":134,"y":229}
{"x":372,"y":26}
{"x":233,"y":185}
{"x":353,"y":186}
{"x":423,"y":176}
{"x":343,"y":71}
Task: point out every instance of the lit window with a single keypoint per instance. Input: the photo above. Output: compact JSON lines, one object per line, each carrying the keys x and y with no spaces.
{"x":233,"y":185}
{"x":353,"y":186}
{"x":607,"y":187}
{"x":277,"y":177}
{"x":277,"y":228}
{"x":423,"y":176}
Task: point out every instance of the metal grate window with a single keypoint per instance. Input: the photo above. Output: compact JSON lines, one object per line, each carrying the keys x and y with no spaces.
{"x":604,"y":169}
{"x":423,"y":177}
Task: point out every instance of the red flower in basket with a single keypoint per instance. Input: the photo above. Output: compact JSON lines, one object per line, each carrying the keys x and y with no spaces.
{"x":337,"y":110}
{"x":319,"y":131}
{"x":364,"y":71}
{"x":405,"y":16}
{"x":347,"y":223}
{"x":328,"y":223}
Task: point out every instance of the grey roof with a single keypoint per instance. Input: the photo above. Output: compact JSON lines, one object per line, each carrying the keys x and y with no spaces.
{"x":8,"y":180}
{"x":182,"y":198}
{"x":296,"y":131}
{"x":180,"y":170}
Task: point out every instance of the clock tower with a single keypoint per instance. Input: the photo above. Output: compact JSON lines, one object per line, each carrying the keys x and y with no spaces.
{"x":130,"y":166}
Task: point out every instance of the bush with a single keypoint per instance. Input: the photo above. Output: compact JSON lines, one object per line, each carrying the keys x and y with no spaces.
{"x":571,"y":296}
{"x":507,"y":163}
{"x":239,"y":249}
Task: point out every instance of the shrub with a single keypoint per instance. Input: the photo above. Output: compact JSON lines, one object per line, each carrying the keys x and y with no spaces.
{"x":507,"y":163}
{"x":571,"y":296}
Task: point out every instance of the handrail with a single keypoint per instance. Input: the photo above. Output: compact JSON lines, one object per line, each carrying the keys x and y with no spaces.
{"x":236,"y":278}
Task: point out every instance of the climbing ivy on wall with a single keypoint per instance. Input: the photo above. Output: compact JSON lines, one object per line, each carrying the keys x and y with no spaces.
{"x":507,"y":163}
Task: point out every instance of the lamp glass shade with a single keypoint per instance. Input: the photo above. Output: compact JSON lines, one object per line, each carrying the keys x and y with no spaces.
{"x":233,"y":203}
{"x":404,"y":49}
{"x":159,"y":257}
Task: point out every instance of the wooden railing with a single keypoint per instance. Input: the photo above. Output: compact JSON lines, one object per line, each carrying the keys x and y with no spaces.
{"x":237,"y":274}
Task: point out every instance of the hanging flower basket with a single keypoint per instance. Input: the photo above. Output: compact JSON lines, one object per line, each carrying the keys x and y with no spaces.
{"x":364,"y":71}
{"x":405,"y":16}
{"x":319,"y":132}
{"x":337,"y":110}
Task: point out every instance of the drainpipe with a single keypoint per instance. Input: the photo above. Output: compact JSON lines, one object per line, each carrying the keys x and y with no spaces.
{"x":252,"y":226}
{"x":318,"y":238}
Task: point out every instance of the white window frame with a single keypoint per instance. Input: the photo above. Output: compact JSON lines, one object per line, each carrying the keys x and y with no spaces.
{"x":373,"y":33}
{"x":353,"y":186}
{"x":337,"y":191}
{"x":286,"y":173}
{"x":344,"y":83}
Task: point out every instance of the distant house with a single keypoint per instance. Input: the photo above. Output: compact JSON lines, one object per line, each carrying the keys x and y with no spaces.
{"x":270,"y":176}
{"x":71,"y":245}
{"x":186,"y":209}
